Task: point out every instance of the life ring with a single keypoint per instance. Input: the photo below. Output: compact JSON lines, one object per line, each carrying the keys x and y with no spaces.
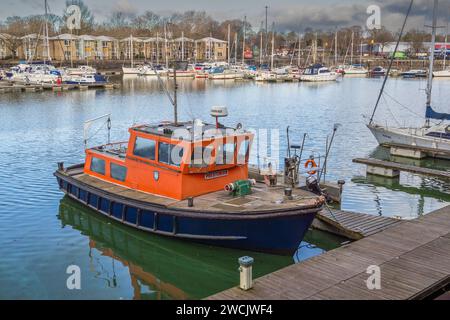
{"x":311,"y":164}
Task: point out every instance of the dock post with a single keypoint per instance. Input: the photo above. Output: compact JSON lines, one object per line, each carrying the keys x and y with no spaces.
{"x":245,"y":272}
{"x":384,"y":172}
{"x":408,"y":153}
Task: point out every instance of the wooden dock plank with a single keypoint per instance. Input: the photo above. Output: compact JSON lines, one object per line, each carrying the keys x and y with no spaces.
{"x":352,"y":224}
{"x":413,"y":256}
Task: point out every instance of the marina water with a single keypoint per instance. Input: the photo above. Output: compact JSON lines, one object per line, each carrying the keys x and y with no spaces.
{"x":42,"y":233}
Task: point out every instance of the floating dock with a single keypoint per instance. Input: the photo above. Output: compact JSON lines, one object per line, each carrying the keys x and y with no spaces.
{"x":16,"y":87}
{"x":393,"y":169}
{"x":352,"y":225}
{"x":413,"y":257}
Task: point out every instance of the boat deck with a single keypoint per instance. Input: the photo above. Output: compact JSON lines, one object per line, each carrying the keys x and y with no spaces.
{"x":413,"y":256}
{"x":263,"y":198}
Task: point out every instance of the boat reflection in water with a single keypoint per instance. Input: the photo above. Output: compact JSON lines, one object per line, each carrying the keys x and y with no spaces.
{"x":162,"y":268}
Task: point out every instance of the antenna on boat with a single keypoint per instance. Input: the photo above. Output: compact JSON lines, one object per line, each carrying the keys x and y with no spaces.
{"x":391,"y":62}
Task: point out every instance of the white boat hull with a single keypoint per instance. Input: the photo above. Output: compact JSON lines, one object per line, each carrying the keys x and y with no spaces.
{"x":442,"y":74}
{"x":131,"y":70}
{"x":408,"y":137}
{"x":319,"y":78}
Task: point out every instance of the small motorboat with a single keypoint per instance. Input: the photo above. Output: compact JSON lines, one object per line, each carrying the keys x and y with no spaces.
{"x":86,"y":79}
{"x":355,"y":70}
{"x":377,"y":72}
{"x":190,"y":181}
{"x":220,"y":73}
{"x":442,"y":73}
{"x":319,"y":73}
{"x":411,"y":74}
{"x":153,"y":70}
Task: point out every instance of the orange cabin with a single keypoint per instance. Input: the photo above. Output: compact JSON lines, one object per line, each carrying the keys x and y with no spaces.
{"x":175,"y":161}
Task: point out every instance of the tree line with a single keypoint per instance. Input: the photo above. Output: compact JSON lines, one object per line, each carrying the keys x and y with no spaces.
{"x":198,"y":24}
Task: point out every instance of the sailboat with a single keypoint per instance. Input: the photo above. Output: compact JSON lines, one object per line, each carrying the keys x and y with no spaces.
{"x":132,"y":69}
{"x":434,"y":139}
{"x":355,"y":69}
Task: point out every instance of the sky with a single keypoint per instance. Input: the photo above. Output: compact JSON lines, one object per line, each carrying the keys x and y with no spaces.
{"x":295,"y":15}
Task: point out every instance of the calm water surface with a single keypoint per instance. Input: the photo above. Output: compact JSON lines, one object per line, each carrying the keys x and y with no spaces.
{"x":41,"y":232}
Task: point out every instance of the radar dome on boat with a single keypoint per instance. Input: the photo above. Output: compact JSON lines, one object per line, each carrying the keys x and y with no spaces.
{"x":219,"y":111}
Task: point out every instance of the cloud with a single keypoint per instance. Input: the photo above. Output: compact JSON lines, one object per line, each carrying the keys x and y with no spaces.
{"x":125,"y":7}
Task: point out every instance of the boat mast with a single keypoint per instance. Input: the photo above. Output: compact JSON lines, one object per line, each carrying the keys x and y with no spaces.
{"x":228,"y":45}
{"x":273,"y":44}
{"x":182,"y":45}
{"x":131,"y":51}
{"x":352,"y":48}
{"x":430,"y":71}
{"x":260,"y":49}
{"x":46,"y":41}
{"x":157,"y":48}
{"x":235,"y":47}
{"x":299,"y":50}
{"x":243,"y":41}
{"x":336,"y":48}
{"x":391,"y":62}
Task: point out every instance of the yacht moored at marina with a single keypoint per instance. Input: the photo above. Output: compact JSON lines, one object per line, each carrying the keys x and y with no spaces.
{"x":434,"y":137}
{"x":318,"y":73}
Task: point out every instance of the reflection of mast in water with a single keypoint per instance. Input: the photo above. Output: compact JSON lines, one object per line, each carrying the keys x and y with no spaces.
{"x":421,"y":202}
{"x":139,"y":276}
{"x":112,"y":283}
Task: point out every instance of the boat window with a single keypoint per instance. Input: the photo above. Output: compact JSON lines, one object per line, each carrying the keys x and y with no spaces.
{"x":170,"y":154}
{"x":243,"y":152}
{"x":201,"y":156}
{"x":118,"y":172}
{"x":225,"y":153}
{"x":98,"y":165}
{"x":144,"y":148}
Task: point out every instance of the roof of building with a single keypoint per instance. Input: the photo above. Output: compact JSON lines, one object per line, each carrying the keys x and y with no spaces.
{"x":185,"y":39}
{"x":210,"y":39}
{"x":65,"y":36}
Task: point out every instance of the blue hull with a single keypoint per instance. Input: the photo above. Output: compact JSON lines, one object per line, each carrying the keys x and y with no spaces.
{"x":277,"y":232}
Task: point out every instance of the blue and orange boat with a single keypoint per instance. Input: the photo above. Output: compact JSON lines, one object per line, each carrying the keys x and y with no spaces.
{"x":190,"y":180}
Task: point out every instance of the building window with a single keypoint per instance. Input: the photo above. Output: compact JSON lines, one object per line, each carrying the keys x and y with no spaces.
{"x":105,"y":44}
{"x":118,"y":172}
{"x":67,"y":43}
{"x":144,"y":148}
{"x":170,"y":154}
{"x":98,"y":165}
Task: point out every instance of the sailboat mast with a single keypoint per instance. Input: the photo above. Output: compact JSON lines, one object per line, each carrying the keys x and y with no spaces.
{"x":243,"y":41}
{"x":336,"y":48}
{"x":299,"y":50}
{"x":228,"y":44}
{"x":433,"y":43}
{"x":131,"y":51}
{"x":273,"y":44}
{"x":46,"y":41}
{"x":351,"y":54}
{"x":182,"y":45}
{"x":391,"y":62}
{"x":260,"y":49}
